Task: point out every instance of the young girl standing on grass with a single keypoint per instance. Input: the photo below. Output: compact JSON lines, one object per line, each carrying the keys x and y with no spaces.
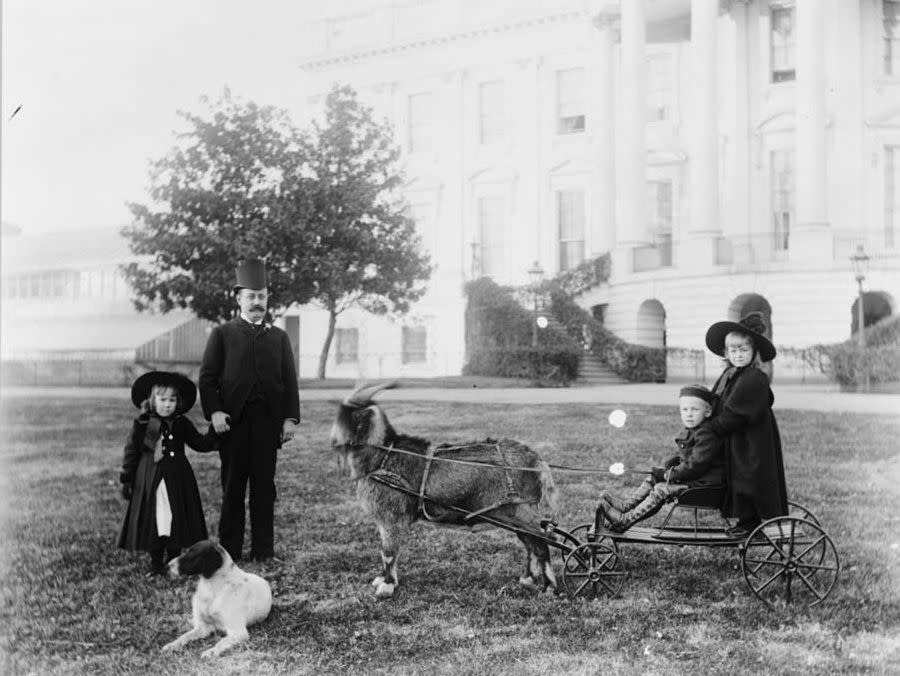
{"x":164,"y":511}
{"x":743,"y":417}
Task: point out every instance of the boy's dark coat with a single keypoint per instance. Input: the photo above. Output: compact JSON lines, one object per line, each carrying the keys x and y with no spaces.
{"x":753,"y":459}
{"x":139,"y":468}
{"x":701,"y":458}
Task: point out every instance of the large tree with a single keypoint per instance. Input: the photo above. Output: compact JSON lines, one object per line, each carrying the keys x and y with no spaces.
{"x":367,"y":251}
{"x":219,"y":195}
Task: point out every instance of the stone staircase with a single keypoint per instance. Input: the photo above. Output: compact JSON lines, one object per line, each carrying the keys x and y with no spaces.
{"x":592,"y":371}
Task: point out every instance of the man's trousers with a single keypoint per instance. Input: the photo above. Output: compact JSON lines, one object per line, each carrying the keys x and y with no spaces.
{"x":248,"y":453}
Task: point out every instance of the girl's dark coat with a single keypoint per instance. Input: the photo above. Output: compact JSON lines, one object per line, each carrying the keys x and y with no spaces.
{"x":139,"y":469}
{"x":753,"y":460}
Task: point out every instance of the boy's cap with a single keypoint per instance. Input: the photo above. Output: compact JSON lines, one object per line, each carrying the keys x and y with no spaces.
{"x":140,"y":390}
{"x":698,"y":391}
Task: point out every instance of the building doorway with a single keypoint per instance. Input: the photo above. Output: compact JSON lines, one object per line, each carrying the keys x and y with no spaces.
{"x":651,"y":324}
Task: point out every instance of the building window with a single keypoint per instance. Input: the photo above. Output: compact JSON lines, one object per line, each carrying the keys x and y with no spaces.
{"x":419,"y":122}
{"x":783,"y":43}
{"x":570,"y":218}
{"x":781,"y":164}
{"x":570,"y":101}
{"x":414,"y":344}
{"x":421,"y":216}
{"x":660,"y":82}
{"x":891,"y":21}
{"x":346,"y":346}
{"x":491,"y":228}
{"x":891,"y":194}
{"x":491,"y":111}
{"x":659,"y":218}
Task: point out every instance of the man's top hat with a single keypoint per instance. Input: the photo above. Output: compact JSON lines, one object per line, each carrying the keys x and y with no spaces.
{"x":752,"y":324}
{"x":250,"y":274}
{"x":187,"y":391}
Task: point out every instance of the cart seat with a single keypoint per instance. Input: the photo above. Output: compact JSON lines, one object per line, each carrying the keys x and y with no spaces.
{"x":702,"y":497}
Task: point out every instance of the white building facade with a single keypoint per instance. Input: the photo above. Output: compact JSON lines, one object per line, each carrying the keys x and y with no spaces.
{"x":729,"y":155}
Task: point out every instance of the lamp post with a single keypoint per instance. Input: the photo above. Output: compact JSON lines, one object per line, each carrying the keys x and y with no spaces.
{"x":860,"y":262}
{"x":535,"y":276}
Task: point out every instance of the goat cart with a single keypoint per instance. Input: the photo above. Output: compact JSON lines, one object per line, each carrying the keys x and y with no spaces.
{"x":787,"y":561}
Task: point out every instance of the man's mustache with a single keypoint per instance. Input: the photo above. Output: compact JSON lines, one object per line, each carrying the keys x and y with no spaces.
{"x":258,"y":307}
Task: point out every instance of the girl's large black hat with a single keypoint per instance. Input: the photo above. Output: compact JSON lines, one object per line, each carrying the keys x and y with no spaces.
{"x":187,"y":391}
{"x":752,"y":324}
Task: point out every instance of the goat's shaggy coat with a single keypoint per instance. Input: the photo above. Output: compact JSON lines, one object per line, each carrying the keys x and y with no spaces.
{"x":401,"y":478}
{"x":226,"y":599}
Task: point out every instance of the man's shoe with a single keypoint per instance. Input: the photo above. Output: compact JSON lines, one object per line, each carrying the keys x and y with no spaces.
{"x":741,"y":530}
{"x":264,"y":555}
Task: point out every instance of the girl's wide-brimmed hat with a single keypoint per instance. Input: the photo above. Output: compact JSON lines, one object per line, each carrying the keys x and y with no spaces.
{"x":752,"y":324}
{"x":187,"y":391}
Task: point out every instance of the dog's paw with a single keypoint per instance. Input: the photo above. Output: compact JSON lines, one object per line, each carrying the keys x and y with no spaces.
{"x":209,"y":653}
{"x":378,"y":581}
{"x":384,"y":590}
{"x":169,"y":647}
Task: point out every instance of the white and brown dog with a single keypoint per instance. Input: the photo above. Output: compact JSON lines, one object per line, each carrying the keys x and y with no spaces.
{"x":226,"y":599}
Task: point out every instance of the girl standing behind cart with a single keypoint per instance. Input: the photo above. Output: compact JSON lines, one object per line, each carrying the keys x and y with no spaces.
{"x":743,"y":417}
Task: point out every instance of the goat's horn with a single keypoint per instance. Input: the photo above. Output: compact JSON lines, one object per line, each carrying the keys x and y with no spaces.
{"x":364,"y":393}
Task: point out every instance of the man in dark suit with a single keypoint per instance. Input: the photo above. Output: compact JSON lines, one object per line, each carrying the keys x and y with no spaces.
{"x":248,"y":390}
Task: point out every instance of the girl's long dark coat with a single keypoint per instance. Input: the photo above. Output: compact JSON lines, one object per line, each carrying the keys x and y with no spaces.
{"x":753,"y":460}
{"x":138,"y":468}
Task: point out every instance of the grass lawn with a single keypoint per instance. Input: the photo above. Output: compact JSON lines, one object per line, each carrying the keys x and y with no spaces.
{"x":70,"y":602}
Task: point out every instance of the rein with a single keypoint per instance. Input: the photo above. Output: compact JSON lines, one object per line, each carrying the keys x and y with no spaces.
{"x":437,"y":458}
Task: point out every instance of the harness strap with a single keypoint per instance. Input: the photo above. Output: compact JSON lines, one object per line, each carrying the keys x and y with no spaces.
{"x":511,"y":491}
{"x":429,"y":456}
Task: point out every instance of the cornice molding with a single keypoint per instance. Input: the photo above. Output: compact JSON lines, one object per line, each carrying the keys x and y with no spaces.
{"x":361,"y":54}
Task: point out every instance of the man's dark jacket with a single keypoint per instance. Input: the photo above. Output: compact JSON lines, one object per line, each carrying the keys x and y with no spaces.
{"x":241,"y":359}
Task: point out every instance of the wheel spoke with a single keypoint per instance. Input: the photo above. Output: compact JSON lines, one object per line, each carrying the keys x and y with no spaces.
{"x":582,"y":586}
{"x":770,"y":581}
{"x":809,"y":585}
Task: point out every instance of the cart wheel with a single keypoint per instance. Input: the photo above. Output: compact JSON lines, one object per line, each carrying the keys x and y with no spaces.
{"x":801,"y":512}
{"x":592,"y":569}
{"x":790,"y":562}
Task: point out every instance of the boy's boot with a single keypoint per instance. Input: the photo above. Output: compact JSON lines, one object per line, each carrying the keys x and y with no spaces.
{"x":630,"y":501}
{"x":620,"y":521}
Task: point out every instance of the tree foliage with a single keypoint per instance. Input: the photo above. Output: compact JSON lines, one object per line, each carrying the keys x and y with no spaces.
{"x":323,"y":207}
{"x":368,"y":253}
{"x":221,"y":194}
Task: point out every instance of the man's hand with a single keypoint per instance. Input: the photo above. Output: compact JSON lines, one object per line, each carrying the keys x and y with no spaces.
{"x":220,"y":421}
{"x":287,"y":431}
{"x":658,"y":474}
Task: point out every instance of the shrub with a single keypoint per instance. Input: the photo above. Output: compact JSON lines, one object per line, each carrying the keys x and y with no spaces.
{"x":636,"y":363}
{"x":542,"y":364}
{"x":499,"y":335}
{"x":848,"y":364}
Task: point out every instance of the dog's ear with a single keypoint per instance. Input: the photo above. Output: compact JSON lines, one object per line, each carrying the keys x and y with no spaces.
{"x":202,"y":558}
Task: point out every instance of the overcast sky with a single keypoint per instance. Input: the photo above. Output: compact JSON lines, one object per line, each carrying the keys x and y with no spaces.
{"x":100,"y":81}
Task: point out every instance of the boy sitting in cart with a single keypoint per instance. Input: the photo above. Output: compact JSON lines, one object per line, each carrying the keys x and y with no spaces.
{"x":699,"y":462}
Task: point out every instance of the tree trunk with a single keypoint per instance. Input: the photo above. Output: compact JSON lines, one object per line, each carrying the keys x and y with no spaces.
{"x":323,"y":358}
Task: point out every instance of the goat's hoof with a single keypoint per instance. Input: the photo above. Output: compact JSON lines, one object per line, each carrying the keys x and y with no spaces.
{"x":527,"y":582}
{"x":384,"y":591}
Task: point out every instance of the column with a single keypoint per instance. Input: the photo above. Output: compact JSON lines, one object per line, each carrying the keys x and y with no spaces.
{"x":697,"y":249}
{"x":631,"y":226}
{"x":602,"y":126}
{"x":811,"y":239}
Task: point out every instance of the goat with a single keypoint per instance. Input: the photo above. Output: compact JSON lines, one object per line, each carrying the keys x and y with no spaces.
{"x":401,"y":479}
